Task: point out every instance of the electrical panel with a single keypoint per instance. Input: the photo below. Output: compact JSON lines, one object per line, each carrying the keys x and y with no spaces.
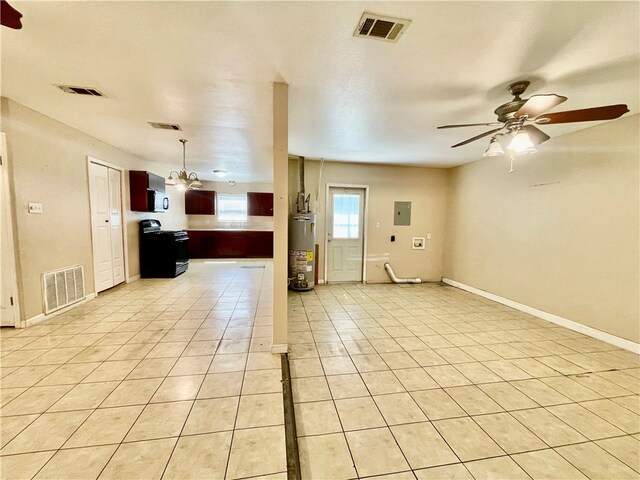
{"x":402,"y":213}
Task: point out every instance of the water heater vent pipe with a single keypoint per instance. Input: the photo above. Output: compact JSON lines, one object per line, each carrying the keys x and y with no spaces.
{"x":302,"y":205}
{"x":395,"y":279}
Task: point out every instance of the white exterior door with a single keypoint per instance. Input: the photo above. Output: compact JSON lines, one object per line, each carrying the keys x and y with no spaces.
{"x":106,"y":208}
{"x":345,"y":234}
{"x":8,"y":299}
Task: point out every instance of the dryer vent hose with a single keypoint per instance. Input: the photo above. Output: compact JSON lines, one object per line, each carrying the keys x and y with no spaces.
{"x":395,"y":279}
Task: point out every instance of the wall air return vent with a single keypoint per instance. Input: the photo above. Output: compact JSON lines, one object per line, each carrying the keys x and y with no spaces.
{"x":62,"y":288}
{"x":381,"y":27}
{"x":165,"y":126}
{"x":92,"y":92}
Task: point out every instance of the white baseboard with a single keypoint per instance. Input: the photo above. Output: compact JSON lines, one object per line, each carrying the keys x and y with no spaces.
{"x":550,"y":317}
{"x":42,"y":317}
{"x":321,"y":281}
{"x":133,"y":279}
{"x":279,"y":348}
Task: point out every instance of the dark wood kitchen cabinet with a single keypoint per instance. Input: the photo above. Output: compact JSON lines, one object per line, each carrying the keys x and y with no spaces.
{"x":230,"y":244}
{"x":260,"y":204}
{"x":200,"y":202}
{"x":142,"y":186}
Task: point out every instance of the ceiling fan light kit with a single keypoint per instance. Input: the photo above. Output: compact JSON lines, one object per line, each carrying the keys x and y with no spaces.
{"x":521,"y":143}
{"x":183,"y":180}
{"x":519,"y":117}
{"x":494,"y":149}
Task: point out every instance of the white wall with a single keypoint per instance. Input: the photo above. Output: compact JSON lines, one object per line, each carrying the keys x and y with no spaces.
{"x":426,"y":188}
{"x":212,"y":222}
{"x":48,"y":164}
{"x":561,"y":233}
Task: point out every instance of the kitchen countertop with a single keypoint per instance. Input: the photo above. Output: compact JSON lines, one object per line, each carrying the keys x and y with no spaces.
{"x":228,"y":230}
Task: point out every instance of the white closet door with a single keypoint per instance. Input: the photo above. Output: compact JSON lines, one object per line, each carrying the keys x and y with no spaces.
{"x":106,"y":225}
{"x":8,"y":297}
{"x":115,"y":221}
{"x":100,"y":219}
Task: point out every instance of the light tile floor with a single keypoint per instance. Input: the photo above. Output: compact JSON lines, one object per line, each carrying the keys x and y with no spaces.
{"x":168,"y":378}
{"x":430,"y":382}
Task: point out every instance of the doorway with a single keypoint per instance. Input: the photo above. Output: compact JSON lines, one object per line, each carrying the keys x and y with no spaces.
{"x":105,"y":187}
{"x":345,"y":241}
{"x":9,"y":309}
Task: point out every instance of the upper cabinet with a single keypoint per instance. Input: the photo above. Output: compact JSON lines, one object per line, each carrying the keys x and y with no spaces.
{"x":146,"y":192}
{"x":260,"y":204}
{"x":200,"y":202}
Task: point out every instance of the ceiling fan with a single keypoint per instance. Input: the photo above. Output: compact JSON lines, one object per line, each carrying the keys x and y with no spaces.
{"x":9,"y":16}
{"x":520,"y":116}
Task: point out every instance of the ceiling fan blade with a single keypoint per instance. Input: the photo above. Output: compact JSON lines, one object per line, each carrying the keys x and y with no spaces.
{"x":490,"y":124}
{"x":539,"y":104}
{"x":477,"y":137}
{"x":536,"y":135}
{"x":9,"y":16}
{"x":608,"y":112}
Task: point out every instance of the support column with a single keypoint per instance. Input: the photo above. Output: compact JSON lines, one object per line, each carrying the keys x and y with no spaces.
{"x":280,"y":214}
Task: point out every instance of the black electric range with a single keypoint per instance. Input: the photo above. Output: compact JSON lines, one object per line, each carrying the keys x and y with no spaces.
{"x":163,"y":253}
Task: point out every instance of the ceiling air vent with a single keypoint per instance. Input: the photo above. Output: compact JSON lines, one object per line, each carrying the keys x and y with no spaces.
{"x":92,"y":92}
{"x":381,"y":27}
{"x":165,"y":126}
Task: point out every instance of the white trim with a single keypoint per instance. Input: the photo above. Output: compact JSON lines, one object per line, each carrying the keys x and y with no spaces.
{"x":8,"y":203}
{"x":42,"y":317}
{"x":135,"y":278}
{"x":321,"y":281}
{"x":279,"y":348}
{"x":365,"y":226}
{"x":550,"y":317}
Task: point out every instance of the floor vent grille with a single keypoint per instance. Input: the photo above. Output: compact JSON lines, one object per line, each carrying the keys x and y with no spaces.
{"x":62,"y":288}
{"x":381,"y":27}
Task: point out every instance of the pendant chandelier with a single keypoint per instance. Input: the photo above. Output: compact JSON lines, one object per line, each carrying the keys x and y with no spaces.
{"x":181,"y":180}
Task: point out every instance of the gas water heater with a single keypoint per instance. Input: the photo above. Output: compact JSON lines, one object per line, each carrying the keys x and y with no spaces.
{"x":302,"y":241}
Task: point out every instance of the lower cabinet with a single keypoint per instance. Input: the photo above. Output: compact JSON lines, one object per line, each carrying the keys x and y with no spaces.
{"x":230,"y":244}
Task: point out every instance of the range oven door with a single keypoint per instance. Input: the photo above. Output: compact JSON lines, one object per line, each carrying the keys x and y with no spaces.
{"x":182,"y":249}
{"x":182,"y":254}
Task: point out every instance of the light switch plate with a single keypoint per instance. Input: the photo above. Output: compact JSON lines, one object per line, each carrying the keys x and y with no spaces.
{"x":35,"y":207}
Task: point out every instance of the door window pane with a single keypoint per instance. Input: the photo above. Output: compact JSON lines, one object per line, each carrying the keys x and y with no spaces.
{"x":346,"y":215}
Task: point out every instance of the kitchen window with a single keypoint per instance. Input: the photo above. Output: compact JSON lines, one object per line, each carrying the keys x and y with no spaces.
{"x":232,"y":207}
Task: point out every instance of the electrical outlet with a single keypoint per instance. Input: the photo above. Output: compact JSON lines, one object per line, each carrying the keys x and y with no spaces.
{"x":35,"y":208}
{"x":377,"y":224}
{"x":428,"y":236}
{"x":417,"y":243}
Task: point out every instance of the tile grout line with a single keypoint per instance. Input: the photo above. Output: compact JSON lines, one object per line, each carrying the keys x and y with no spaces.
{"x":244,"y":371}
{"x":186,"y":419}
{"x":291,"y":436}
{"x":315,"y":343}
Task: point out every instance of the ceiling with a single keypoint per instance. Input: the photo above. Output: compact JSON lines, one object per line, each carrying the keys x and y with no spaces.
{"x":208,"y":66}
